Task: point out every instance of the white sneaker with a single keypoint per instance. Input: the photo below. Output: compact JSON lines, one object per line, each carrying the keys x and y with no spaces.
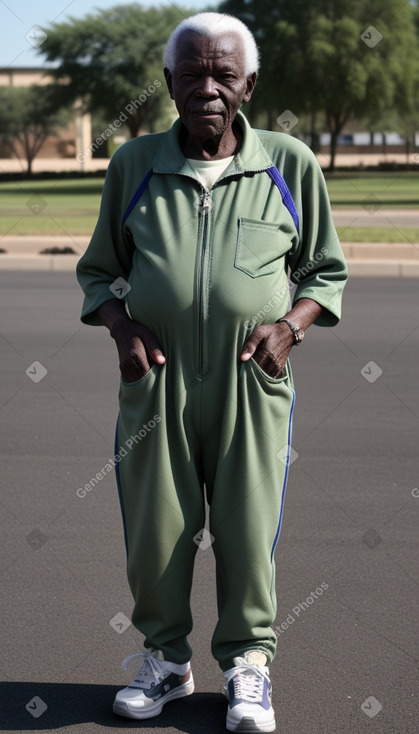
{"x":156,"y":683}
{"x":249,"y":693}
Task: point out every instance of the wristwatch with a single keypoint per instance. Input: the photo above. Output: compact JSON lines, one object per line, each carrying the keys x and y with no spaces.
{"x":297,"y":331}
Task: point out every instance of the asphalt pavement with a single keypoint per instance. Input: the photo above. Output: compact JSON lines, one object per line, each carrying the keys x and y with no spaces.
{"x":347,"y":561}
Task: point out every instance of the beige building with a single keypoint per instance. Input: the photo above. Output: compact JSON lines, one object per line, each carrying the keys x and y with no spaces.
{"x":72,"y":140}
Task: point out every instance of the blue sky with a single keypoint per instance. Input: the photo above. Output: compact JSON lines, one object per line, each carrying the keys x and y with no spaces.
{"x":19,"y":17}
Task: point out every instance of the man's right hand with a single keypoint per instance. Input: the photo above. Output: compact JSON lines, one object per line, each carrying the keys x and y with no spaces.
{"x":137,"y":346}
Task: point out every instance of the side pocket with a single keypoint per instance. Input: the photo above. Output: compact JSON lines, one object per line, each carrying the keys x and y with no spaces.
{"x":274,"y":380}
{"x":137,"y":383}
{"x":260,"y":247}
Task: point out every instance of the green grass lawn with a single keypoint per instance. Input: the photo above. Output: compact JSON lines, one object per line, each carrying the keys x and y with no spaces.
{"x":49,"y":207}
{"x":379,"y":234}
{"x":71,"y":206}
{"x":398,"y":189}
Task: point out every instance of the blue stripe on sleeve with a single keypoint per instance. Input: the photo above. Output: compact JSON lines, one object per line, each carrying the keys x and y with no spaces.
{"x":285,"y":193}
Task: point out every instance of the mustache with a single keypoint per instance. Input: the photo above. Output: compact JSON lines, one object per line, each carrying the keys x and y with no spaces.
{"x":208,"y":110}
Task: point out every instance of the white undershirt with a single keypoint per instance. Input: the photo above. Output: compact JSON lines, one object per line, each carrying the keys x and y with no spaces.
{"x":209,"y":171}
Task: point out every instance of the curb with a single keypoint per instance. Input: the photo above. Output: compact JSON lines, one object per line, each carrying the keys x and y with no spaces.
{"x":383,"y":268}
{"x":370,"y":268}
{"x":42,"y":263}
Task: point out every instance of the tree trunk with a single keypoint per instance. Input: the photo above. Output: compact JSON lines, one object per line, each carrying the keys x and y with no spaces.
{"x":314,"y":137}
{"x":28,"y":153}
{"x":333,"y":145}
{"x":336,"y":123}
{"x":407,"y":148}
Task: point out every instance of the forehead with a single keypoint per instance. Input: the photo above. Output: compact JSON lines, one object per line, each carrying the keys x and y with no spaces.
{"x":196,"y":48}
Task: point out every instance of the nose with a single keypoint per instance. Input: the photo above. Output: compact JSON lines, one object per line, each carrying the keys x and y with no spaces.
{"x":207,"y":88}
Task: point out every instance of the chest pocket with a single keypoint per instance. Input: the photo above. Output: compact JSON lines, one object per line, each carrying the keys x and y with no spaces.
{"x":260,"y":247}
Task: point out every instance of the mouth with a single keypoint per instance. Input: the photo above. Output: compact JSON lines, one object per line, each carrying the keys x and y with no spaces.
{"x":206,"y":113}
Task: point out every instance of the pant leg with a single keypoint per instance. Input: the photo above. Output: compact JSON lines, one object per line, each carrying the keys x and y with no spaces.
{"x":163,"y":508}
{"x":247,"y":480}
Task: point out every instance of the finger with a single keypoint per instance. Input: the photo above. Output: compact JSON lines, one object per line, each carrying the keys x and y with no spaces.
{"x":132,"y":368}
{"x":152,"y":347}
{"x":252,"y":343}
{"x":157,"y":355}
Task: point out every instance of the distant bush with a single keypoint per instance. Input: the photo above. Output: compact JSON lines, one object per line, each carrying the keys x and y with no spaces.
{"x":58,"y":251}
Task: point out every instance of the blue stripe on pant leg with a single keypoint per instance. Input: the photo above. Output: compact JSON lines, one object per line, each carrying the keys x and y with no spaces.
{"x":118,"y":483}
{"x":284,"y":486}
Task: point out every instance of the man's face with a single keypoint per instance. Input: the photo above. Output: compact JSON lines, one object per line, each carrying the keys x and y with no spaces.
{"x":209,"y":83}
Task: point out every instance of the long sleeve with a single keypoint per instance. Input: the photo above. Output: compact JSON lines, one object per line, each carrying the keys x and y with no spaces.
{"x":108,"y":255}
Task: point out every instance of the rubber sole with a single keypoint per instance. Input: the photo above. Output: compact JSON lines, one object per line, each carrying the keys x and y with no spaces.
{"x":123,"y":708}
{"x":248,"y":724}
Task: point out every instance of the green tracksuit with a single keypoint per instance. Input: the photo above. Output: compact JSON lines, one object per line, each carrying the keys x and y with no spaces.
{"x":204,"y":268}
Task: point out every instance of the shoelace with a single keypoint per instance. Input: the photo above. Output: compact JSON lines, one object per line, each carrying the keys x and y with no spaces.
{"x":248,"y":683}
{"x":149,"y":672}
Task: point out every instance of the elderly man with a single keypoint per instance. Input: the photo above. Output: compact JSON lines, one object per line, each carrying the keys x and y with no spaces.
{"x":187,"y":268}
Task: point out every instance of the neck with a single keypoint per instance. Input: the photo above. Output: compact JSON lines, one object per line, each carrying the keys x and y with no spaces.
{"x":212,"y":149}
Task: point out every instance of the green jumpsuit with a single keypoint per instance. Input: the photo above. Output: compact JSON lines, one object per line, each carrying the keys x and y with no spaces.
{"x":202,"y":268}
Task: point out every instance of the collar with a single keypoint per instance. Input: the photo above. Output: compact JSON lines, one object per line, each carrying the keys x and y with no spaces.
{"x":251,"y":157}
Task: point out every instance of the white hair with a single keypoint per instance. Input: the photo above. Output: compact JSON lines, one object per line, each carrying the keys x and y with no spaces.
{"x":213,"y":25}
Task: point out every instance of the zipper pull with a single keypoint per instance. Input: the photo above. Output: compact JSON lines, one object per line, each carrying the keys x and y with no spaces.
{"x":206,"y":202}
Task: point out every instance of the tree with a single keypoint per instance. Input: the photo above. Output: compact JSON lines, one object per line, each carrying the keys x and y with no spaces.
{"x":359,"y":67}
{"x":344,"y":58}
{"x":113,"y":58}
{"x":28,"y":116}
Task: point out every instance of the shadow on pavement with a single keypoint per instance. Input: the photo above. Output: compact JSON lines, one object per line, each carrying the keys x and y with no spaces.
{"x":33,"y":706}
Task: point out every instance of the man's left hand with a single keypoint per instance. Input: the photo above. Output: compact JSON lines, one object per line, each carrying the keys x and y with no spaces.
{"x":269,"y":345}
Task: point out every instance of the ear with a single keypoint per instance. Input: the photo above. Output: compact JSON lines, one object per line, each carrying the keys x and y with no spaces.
{"x":250,"y":85}
{"x":168,"y":77}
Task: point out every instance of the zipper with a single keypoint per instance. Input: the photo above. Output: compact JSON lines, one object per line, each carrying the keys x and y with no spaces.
{"x":202,"y":276}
